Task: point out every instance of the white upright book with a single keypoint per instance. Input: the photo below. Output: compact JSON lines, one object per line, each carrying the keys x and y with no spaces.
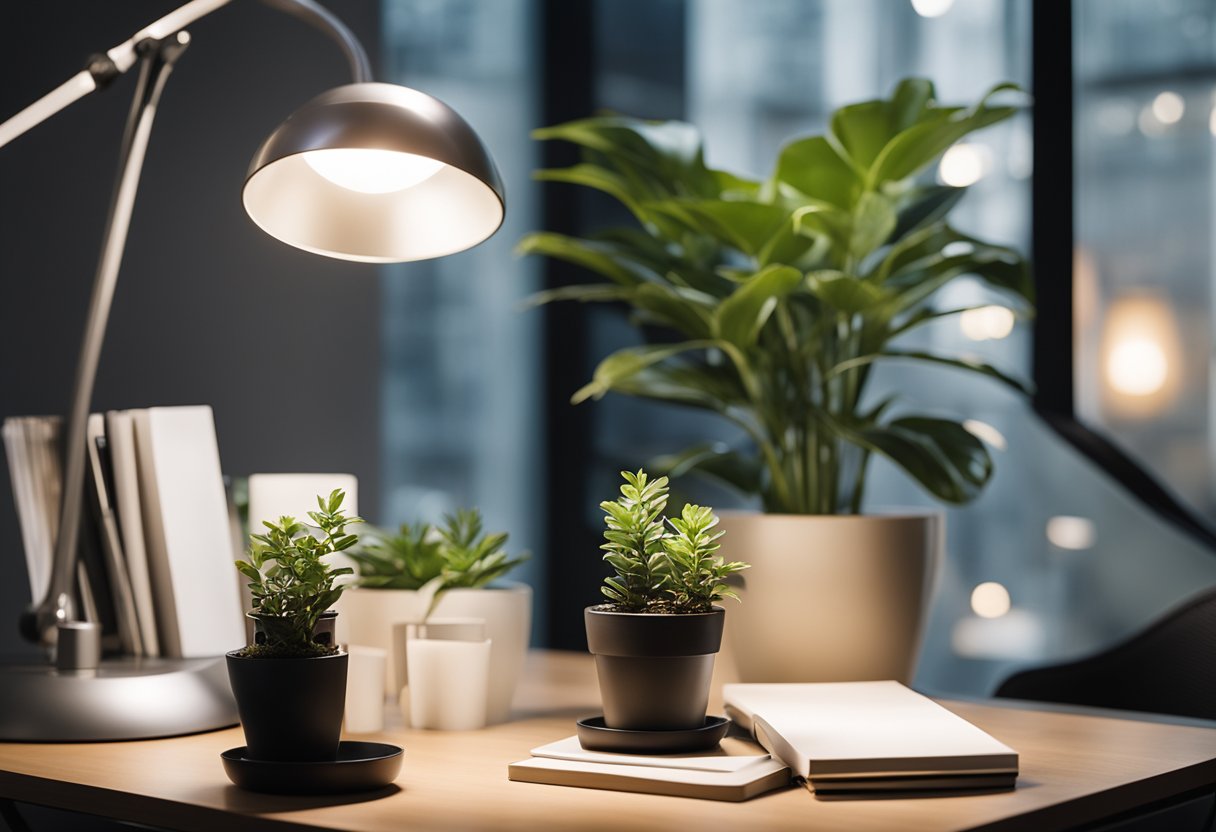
{"x":869,"y":736}
{"x":120,"y":432}
{"x":119,"y":576}
{"x":189,"y":548}
{"x":36,"y":529}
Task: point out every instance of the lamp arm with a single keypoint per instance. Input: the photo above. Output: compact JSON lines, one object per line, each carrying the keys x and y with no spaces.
{"x":104,"y":67}
{"x":323,"y":19}
{"x":156,"y":59}
{"x":155,"y":48}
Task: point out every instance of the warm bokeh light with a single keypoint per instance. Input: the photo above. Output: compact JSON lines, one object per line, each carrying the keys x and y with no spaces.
{"x":1074,"y":533}
{"x":986,"y":323}
{"x":1212,"y":122}
{"x":932,"y":8}
{"x":1141,"y":354}
{"x":962,"y":165}
{"x":371,"y":171}
{"x":1137,"y":366}
{"x":1169,"y":107}
{"x":985,"y":432}
{"x":990,"y":600}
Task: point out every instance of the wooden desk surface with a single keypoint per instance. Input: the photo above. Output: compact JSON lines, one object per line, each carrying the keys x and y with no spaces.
{"x":1073,"y":769}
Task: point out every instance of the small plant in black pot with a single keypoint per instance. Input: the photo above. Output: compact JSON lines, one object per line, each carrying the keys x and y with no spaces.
{"x":654,"y":641}
{"x":290,"y":684}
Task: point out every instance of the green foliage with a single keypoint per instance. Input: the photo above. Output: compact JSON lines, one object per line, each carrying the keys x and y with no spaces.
{"x":656,"y":569}
{"x":455,"y":554}
{"x":634,"y":542}
{"x":292,"y":585}
{"x":697,"y":577}
{"x":783,"y":294}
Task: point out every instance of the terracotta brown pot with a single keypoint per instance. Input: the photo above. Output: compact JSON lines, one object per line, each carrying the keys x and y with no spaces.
{"x":654,"y":670}
{"x":830,"y":598}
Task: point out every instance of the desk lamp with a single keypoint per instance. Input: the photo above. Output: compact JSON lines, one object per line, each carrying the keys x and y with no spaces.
{"x":371,"y":172}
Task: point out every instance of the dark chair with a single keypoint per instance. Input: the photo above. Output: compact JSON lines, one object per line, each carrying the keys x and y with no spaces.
{"x":1168,"y":668}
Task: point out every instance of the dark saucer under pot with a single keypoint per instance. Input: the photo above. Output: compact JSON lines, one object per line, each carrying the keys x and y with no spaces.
{"x":594,"y":735}
{"x":356,"y":767}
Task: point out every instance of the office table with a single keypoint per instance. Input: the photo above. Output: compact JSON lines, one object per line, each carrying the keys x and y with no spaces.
{"x":1075,"y":769}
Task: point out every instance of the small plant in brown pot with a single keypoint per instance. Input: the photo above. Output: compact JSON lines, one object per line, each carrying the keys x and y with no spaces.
{"x":655,"y":639}
{"x":290,"y":684}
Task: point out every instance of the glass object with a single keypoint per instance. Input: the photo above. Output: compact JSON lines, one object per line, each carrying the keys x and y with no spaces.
{"x":1145,"y":98}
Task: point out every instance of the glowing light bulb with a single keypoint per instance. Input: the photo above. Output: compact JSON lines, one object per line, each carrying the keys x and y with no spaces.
{"x":962,"y":165}
{"x":1137,"y":366}
{"x":932,"y":8}
{"x":371,"y":171}
{"x":986,"y":323}
{"x":990,"y":600}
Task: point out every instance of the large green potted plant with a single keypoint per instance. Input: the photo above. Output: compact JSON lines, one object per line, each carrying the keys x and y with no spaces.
{"x":290,"y":684}
{"x":655,"y":638}
{"x":451,"y":569}
{"x":769,"y":303}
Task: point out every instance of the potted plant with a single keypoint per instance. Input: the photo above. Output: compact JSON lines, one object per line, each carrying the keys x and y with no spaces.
{"x":290,"y":684}
{"x":454,"y":569}
{"x":769,"y":303}
{"x":655,"y":639}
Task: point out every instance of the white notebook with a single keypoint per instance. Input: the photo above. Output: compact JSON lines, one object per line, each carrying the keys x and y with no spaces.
{"x":186,"y":533}
{"x":120,"y":432}
{"x":865,"y":732}
{"x":738,"y":770}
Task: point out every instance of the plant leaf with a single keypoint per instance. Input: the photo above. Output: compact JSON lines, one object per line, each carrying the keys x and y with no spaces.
{"x":814,"y":168}
{"x":626,"y":363}
{"x":843,"y":292}
{"x":973,"y":365}
{"x":942,"y":456}
{"x":914,"y":148}
{"x":741,"y":472}
{"x":741,"y":316}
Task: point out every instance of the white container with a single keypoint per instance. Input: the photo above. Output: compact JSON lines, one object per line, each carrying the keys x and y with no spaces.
{"x":365,"y":690}
{"x":368,"y":615}
{"x":448,"y":683}
{"x":830,"y":598}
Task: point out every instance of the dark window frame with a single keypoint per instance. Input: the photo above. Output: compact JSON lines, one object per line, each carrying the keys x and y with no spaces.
{"x":1052,"y":232}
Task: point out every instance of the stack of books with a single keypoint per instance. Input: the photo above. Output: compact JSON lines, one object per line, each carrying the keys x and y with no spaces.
{"x":156,"y":565}
{"x":836,"y":738}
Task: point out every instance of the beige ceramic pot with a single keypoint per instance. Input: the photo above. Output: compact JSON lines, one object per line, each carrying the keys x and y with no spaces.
{"x":830,"y":598}
{"x":368,"y":615}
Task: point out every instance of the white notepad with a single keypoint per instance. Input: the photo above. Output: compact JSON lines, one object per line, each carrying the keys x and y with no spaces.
{"x":737,"y":771}
{"x":858,"y":731}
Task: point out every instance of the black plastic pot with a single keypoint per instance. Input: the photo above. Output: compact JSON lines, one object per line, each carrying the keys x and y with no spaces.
{"x":291,"y":709}
{"x":654,"y":670}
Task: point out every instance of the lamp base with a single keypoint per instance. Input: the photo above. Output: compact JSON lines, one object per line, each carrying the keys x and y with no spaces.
{"x":123,"y":699}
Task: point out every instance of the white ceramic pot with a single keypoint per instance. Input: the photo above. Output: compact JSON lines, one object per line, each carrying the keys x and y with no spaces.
{"x":368,"y":615}
{"x":830,"y":598}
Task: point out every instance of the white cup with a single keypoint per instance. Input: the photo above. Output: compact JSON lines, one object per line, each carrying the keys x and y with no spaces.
{"x":366,"y":667}
{"x":448,"y":673}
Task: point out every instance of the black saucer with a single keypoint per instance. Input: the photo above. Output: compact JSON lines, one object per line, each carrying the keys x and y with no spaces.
{"x":359,"y":767}
{"x":594,"y":735}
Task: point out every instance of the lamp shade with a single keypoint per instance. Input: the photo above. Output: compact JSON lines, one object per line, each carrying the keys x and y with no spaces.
{"x":378,"y":173}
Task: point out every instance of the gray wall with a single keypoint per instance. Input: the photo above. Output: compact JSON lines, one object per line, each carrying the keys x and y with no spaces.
{"x":208,"y":309}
